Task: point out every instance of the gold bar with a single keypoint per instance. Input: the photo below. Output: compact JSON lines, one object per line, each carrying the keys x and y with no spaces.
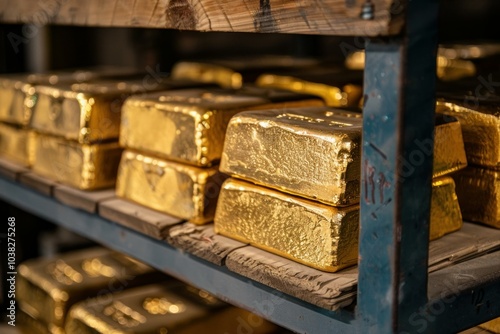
{"x":331,"y":85}
{"x":478,"y":191}
{"x":47,"y":288}
{"x":29,"y":325}
{"x":90,"y":112}
{"x":449,"y":151}
{"x":315,"y":152}
{"x":493,"y":326}
{"x":233,"y":73}
{"x":16,"y":143}
{"x":445,"y":210}
{"x":480,"y":129}
{"x":79,"y":165}
{"x":189,"y":125}
{"x":180,"y":190}
{"x":305,"y":231}
{"x":166,"y":308}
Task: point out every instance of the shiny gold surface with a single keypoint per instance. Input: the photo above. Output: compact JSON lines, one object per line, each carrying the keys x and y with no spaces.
{"x":449,"y":151}
{"x":208,"y":73}
{"x":309,"y":152}
{"x":175,"y":312}
{"x":46,"y":288}
{"x":445,"y":211}
{"x":180,"y":190}
{"x":478,"y":192}
{"x":481,"y":132}
{"x":29,"y":325}
{"x":341,"y":96}
{"x":78,"y":165}
{"x":448,"y":69}
{"x":492,"y":326}
{"x":189,"y":125}
{"x":305,"y":231}
{"x":16,"y":144}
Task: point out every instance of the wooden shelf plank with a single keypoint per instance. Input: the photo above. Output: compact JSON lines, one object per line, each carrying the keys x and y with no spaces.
{"x":11,"y":170}
{"x":85,"y":200}
{"x":326,"y":17}
{"x":39,"y":183}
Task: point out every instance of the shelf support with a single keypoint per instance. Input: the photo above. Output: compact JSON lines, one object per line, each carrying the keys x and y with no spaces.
{"x":397,"y":155}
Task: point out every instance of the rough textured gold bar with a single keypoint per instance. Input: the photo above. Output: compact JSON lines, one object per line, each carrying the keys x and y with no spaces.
{"x":46,"y":288}
{"x":492,"y":326}
{"x":309,"y":152}
{"x":166,"y":308}
{"x":16,"y":144}
{"x":79,"y":165}
{"x":325,"y":86}
{"x":233,"y":73}
{"x":177,"y":189}
{"x":449,"y":151}
{"x":445,"y":210}
{"x":90,"y":112}
{"x":478,"y":191}
{"x":189,"y":125}
{"x":480,"y":129}
{"x":305,"y":231}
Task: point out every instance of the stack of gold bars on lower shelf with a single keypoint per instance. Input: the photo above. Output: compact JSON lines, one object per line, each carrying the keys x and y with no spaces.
{"x":295,"y":186}
{"x":101,"y":291}
{"x":173,"y":143}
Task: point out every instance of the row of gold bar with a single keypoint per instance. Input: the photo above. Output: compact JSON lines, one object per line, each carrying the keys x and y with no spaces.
{"x":101,"y":291}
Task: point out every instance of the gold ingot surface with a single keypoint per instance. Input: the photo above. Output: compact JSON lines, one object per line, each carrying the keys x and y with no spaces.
{"x":89,"y":112}
{"x":79,"y":165}
{"x":478,"y":191}
{"x":47,"y":288}
{"x":29,"y":325}
{"x":492,"y":326}
{"x":305,"y":231}
{"x":449,"y":151}
{"x":347,"y":95}
{"x":448,"y":69}
{"x":189,"y":126}
{"x":16,"y":144}
{"x":445,"y":210}
{"x":177,"y":189}
{"x":309,"y":152}
{"x":481,"y":132}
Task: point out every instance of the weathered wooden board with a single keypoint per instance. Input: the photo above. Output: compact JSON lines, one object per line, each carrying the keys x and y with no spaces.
{"x":475,"y":330}
{"x":137,"y":217}
{"x":329,"y":17}
{"x":80,"y":199}
{"x":39,"y":183}
{"x":11,"y":170}
{"x":202,"y":242}
{"x":327,"y":290}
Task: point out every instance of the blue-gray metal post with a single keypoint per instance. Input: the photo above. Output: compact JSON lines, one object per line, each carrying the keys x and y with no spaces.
{"x":397,"y":157}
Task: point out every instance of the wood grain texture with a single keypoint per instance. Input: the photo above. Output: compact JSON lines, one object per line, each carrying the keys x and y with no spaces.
{"x":328,"y":17}
{"x":39,"y":183}
{"x":85,"y":200}
{"x":11,"y":170}
{"x":327,"y":290}
{"x":137,"y":217}
{"x":202,"y":242}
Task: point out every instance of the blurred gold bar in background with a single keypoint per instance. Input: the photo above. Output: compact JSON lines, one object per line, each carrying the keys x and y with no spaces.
{"x":305,"y":231}
{"x":167,"y":308}
{"x":90,"y":112}
{"x":492,"y":326}
{"x":480,"y":129}
{"x":445,"y":210}
{"x":449,"y":151}
{"x":46,"y":288}
{"x":180,"y":190}
{"x":233,"y":73}
{"x":29,"y":325}
{"x":478,"y":191}
{"x":309,"y":152}
{"x":16,"y":144}
{"x":79,"y":165}
{"x":189,"y":125}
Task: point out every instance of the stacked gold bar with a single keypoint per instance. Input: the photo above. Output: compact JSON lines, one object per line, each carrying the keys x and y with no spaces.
{"x":305,"y":166}
{"x":173,"y":308}
{"x":77,"y":128}
{"x":478,"y":186}
{"x":173,"y":143}
{"x":47,"y":288}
